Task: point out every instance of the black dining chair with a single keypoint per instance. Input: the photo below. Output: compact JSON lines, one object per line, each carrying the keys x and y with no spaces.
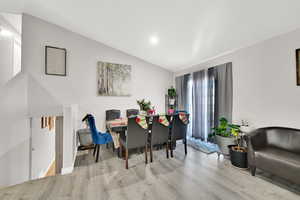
{"x":112,"y":114}
{"x":132,"y":112}
{"x":178,"y":132}
{"x":159,"y":135}
{"x":136,"y":137}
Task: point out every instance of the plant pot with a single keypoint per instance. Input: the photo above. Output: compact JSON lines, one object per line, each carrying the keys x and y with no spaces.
{"x":171,"y":111}
{"x":172,"y":102}
{"x":238,"y":158}
{"x":223,"y":143}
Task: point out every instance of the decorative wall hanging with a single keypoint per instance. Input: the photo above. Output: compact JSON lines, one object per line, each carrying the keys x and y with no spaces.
{"x":42,"y":122}
{"x":51,"y":123}
{"x":55,"y":61}
{"x":46,"y":121}
{"x":298,"y":66}
{"x":114,"y":79}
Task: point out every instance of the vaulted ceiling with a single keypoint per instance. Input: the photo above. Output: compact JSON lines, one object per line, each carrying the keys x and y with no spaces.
{"x":174,"y":34}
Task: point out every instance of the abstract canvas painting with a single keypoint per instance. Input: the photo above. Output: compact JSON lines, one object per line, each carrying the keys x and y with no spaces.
{"x":114,"y":79}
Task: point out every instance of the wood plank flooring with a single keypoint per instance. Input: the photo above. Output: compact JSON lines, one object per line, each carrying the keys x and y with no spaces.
{"x":51,"y":171}
{"x":196,"y":176}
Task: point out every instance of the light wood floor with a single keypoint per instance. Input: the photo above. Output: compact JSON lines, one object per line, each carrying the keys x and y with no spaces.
{"x":51,"y":171}
{"x":196,"y":176}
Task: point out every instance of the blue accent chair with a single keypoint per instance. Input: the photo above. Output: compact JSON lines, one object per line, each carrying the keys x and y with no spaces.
{"x":98,"y":137}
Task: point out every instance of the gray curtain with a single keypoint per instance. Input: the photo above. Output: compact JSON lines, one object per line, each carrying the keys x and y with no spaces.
{"x":211,"y":76}
{"x":223,"y":92}
{"x":181,"y":85}
{"x":199,"y":111}
{"x":212,"y":99}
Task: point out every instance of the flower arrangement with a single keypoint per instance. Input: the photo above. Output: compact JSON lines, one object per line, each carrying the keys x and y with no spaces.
{"x":144,"y":105}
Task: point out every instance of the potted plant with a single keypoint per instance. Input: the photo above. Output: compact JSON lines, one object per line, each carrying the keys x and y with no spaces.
{"x":238,"y":153}
{"x":223,"y":136}
{"x":172,"y":95}
{"x":144,"y":105}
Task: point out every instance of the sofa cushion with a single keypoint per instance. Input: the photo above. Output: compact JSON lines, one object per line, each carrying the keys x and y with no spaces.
{"x":280,"y":162}
{"x":284,"y":138}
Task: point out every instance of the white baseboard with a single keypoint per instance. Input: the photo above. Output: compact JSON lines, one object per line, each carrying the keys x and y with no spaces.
{"x":67,"y":170}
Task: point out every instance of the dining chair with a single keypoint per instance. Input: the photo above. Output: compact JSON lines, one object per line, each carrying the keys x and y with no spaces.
{"x":135,"y":137}
{"x":97,"y":137}
{"x":132,"y":112}
{"x":112,"y":114}
{"x":159,"y":135}
{"x":178,"y":132}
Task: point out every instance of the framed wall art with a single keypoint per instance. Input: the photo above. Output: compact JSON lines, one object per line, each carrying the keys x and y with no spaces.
{"x":55,"y":61}
{"x":114,"y":79}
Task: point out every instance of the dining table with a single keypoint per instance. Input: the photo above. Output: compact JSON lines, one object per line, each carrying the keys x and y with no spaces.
{"x":115,"y":128}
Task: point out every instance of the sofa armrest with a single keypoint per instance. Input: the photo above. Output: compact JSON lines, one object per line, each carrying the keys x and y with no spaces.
{"x":256,"y":140}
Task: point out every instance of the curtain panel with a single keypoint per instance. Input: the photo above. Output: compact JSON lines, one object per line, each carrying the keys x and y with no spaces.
{"x":223,"y":92}
{"x":199,"y":105}
{"x":212,"y":99}
{"x":181,"y":85}
{"x":208,"y":98}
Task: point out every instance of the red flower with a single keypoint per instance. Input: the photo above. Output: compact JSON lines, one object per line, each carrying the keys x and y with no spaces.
{"x":137,"y":119}
{"x":160,"y":120}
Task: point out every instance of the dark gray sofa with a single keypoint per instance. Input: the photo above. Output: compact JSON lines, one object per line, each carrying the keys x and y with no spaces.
{"x":275,"y":150}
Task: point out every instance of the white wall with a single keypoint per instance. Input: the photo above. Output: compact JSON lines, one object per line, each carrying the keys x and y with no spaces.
{"x":43,"y":144}
{"x":15,"y":132}
{"x":71,"y":125}
{"x":80,"y":85}
{"x":10,"y":42}
{"x":264,"y":82}
{"x":18,"y":103}
{"x":6,"y":59}
{"x":45,"y":104}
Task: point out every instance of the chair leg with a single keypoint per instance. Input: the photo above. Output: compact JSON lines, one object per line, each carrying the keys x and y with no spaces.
{"x":151,"y":154}
{"x":253,"y":170}
{"x":95,"y":149}
{"x":185,"y":147}
{"x":97,"y":156}
{"x":146,"y":154}
{"x":119,"y":151}
{"x":113,"y":147}
{"x":126,"y":158}
{"x":167,"y":150}
{"x":171,"y":148}
{"x":120,"y":154}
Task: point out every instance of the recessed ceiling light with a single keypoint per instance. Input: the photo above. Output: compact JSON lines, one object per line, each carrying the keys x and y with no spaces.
{"x":154,"y":40}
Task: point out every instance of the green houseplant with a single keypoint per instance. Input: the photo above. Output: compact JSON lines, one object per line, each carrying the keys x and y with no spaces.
{"x":172,"y":92}
{"x":223,"y":135}
{"x":172,"y":95}
{"x":238,"y":153}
